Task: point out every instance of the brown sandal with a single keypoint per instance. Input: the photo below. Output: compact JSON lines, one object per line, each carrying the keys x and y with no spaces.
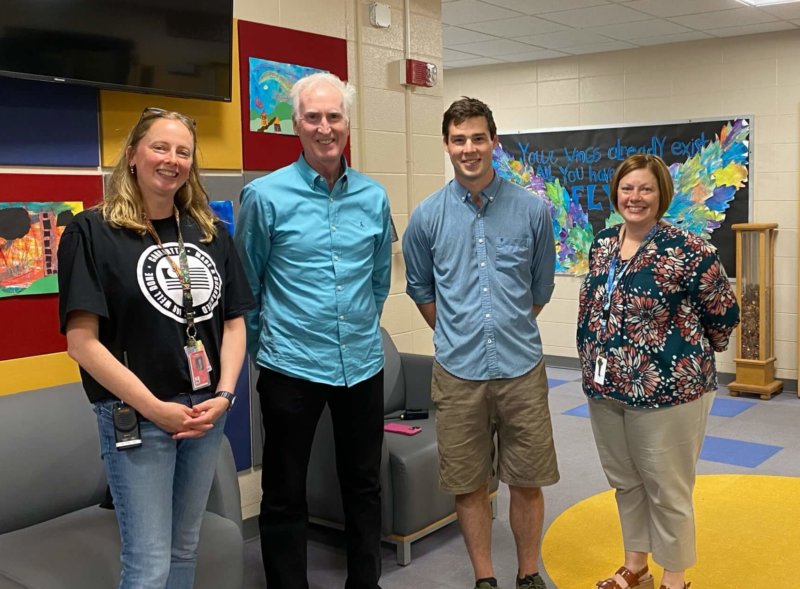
{"x":685,"y":586}
{"x":640,"y":580}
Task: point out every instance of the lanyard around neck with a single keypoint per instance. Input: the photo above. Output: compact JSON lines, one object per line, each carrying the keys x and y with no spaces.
{"x":181,"y":272}
{"x":613,"y":278}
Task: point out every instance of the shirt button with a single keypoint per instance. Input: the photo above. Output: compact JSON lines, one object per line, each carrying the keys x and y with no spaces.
{"x":333,"y":227}
{"x":483,"y":264}
{"x":488,"y":315}
{"x":485,"y":289}
{"x":480,"y":240}
{"x":336,"y":258}
{"x":479,"y":215}
{"x":490,"y":340}
{"x":344,"y":346}
{"x":330,"y":199}
{"x":341,"y":317}
{"x":339,"y":288}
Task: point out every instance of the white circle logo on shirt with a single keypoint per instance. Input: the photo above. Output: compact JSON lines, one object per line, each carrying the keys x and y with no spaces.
{"x":161,"y":286}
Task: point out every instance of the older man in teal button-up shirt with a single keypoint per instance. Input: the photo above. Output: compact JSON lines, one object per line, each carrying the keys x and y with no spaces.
{"x":315,"y":240}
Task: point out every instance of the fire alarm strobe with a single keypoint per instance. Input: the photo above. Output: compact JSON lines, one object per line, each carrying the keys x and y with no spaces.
{"x":421,"y":73}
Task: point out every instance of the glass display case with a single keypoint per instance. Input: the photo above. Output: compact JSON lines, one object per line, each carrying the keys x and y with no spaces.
{"x":755,"y":291}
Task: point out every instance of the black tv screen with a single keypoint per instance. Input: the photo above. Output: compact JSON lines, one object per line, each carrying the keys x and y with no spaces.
{"x":173,"y":47}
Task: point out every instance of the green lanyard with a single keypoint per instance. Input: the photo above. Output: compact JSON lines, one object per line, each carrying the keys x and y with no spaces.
{"x":182,"y":273}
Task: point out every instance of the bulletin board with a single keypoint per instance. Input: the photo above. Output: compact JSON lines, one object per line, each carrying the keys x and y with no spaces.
{"x":571,"y":169}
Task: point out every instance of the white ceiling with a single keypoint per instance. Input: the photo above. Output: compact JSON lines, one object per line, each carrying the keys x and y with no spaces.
{"x":484,"y":32}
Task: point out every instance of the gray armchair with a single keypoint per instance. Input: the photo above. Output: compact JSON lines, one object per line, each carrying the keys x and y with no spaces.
{"x":413,"y":506}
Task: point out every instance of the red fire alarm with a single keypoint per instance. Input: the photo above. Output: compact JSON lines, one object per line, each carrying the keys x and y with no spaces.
{"x":421,"y":73}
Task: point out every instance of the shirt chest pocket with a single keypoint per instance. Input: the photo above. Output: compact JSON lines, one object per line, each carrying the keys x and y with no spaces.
{"x":512,"y":253}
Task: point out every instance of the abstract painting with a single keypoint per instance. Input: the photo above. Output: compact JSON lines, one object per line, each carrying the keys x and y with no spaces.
{"x":572,"y":171}
{"x":29,"y":237}
{"x":270,"y":104}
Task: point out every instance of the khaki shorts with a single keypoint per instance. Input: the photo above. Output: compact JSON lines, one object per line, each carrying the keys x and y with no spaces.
{"x":468,"y":415}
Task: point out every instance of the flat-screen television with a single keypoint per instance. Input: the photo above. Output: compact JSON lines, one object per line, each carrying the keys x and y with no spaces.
{"x":172,"y":47}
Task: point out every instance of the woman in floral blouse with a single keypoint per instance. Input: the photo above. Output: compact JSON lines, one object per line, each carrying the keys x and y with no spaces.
{"x":654,"y":307}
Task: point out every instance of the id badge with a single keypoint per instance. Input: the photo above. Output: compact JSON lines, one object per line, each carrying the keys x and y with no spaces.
{"x":600,"y":370}
{"x":198,"y":366}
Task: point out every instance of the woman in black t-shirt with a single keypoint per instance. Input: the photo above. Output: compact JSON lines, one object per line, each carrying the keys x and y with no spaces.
{"x":152,"y":298}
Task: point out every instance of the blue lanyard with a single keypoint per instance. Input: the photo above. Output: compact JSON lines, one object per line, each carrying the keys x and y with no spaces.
{"x":613,"y":278}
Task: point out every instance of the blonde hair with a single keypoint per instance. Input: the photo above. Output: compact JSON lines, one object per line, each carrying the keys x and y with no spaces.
{"x":122,"y":204}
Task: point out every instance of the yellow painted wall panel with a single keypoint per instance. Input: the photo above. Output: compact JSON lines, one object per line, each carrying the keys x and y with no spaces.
{"x":37,"y":372}
{"x":219,"y":126}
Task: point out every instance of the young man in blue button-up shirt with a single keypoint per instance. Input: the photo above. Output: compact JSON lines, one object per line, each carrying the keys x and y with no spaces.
{"x":480,"y":260}
{"x":315,"y":241}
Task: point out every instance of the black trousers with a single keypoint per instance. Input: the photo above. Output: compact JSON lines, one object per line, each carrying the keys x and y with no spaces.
{"x":290,"y":410}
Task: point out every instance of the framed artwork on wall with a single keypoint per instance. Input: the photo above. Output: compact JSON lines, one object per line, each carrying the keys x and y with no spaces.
{"x":271,"y":59}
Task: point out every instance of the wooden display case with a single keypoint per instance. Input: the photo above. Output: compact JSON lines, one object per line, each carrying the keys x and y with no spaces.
{"x":755,"y":291}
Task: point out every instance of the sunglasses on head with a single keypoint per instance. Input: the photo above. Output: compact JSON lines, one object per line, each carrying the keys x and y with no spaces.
{"x":153,"y":111}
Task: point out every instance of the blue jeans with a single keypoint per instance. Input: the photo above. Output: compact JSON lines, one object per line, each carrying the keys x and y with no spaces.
{"x":160,"y":492}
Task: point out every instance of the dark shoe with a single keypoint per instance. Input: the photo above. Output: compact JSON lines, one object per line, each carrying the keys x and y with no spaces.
{"x":531,"y":582}
{"x":487,"y":583}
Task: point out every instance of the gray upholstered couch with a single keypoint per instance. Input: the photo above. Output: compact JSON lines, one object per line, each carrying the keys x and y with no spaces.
{"x":53,"y":535}
{"x":412,"y":503}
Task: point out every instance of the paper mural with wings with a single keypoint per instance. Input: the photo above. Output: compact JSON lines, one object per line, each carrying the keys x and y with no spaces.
{"x":572,"y":169}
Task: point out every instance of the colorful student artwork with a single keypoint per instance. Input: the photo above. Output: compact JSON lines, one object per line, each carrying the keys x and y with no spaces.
{"x":572,"y":172}
{"x":270,"y":104}
{"x":29,"y":236}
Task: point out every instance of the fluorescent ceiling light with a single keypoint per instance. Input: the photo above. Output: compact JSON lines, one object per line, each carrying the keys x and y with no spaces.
{"x":766,"y":2}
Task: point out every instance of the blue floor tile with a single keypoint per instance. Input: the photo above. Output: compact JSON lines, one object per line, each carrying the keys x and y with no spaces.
{"x":579,"y":411}
{"x":736,"y":452}
{"x":730,"y":407}
{"x":555,"y":382}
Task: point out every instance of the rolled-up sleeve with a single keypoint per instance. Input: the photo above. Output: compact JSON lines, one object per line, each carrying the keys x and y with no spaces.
{"x":543,"y":261}
{"x":420,"y":284}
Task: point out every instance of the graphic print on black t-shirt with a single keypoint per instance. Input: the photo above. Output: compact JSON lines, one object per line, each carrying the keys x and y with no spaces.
{"x":162,"y":287}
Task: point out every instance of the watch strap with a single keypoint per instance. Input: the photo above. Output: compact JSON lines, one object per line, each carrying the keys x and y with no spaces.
{"x":228,"y":396}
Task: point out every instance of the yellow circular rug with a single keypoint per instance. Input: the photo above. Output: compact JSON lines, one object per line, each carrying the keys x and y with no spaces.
{"x":748,"y":535}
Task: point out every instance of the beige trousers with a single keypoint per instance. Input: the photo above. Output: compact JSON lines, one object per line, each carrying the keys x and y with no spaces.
{"x":649,"y":457}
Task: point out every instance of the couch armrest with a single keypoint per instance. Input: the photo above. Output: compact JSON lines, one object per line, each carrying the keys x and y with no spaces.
{"x":417,"y":370}
{"x":225,"y":498}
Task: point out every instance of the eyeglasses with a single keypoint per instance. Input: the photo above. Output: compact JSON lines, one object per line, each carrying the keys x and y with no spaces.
{"x":315,"y":118}
{"x":154,"y":111}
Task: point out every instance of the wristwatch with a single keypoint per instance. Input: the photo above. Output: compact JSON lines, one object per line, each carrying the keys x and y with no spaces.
{"x":227,"y":395}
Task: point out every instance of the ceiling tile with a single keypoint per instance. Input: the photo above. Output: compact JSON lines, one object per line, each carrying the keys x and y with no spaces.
{"x":568,"y":38}
{"x":498,"y":47}
{"x":452,"y":36}
{"x":597,"y":15}
{"x":754,"y":29}
{"x":472,"y":62}
{"x":784,"y":11}
{"x":724,"y":18}
{"x":543,"y":6}
{"x":638,"y":30}
{"x":681,"y":7}
{"x":516,"y":27}
{"x":534,"y":54}
{"x":598,"y":48}
{"x":666,"y":39}
{"x":473,"y":11}
{"x":452,"y":55}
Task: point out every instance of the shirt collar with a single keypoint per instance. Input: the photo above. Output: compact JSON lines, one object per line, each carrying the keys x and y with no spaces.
{"x":311,"y":176}
{"x":490,"y":192}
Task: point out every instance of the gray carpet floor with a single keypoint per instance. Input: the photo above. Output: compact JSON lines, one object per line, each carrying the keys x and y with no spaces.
{"x":746,"y":435}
